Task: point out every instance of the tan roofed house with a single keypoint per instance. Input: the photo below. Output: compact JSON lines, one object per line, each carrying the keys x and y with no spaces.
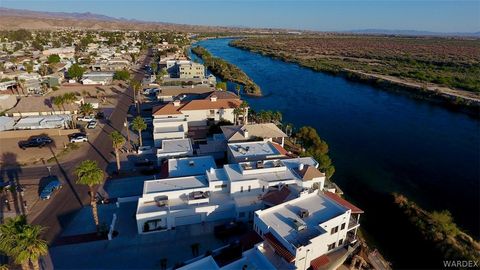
{"x":268,"y":131}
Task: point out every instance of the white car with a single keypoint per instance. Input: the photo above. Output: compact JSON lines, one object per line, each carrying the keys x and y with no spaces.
{"x":79,"y":138}
{"x":92,"y":124}
{"x":86,"y":118}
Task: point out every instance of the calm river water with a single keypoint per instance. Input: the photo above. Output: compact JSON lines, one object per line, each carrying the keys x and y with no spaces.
{"x":381,"y":142}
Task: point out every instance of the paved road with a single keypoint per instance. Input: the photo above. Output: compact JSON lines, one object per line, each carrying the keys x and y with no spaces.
{"x":73,"y":196}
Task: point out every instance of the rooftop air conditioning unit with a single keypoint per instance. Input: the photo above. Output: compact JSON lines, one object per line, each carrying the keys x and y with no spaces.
{"x":303,"y":213}
{"x":191,"y":163}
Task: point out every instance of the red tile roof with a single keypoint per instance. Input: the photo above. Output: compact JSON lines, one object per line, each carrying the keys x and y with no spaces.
{"x":344,"y":203}
{"x":319,"y":262}
{"x":167,"y":109}
{"x":197,"y":104}
{"x":279,"y":248}
{"x":280,"y":148}
{"x":207,"y":104}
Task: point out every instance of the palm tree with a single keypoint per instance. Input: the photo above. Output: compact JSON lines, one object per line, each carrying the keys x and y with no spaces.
{"x":22,"y":242}
{"x":236,"y":113}
{"x":21,"y":84}
{"x":136,"y":85}
{"x":139,"y":124}
{"x":118,"y":141}
{"x":244,"y":109}
{"x":90,"y":174}
{"x":238,"y":88}
{"x":59,"y":101}
{"x":86,"y":109}
{"x":69,"y":98}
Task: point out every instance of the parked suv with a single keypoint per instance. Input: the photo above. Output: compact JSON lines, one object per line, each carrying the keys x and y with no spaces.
{"x":78,"y":137}
{"x":37,"y":141}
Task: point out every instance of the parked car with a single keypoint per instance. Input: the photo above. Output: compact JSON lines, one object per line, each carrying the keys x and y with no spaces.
{"x":86,"y":118}
{"x":48,"y":190}
{"x":92,"y":124}
{"x":78,"y":137}
{"x":37,"y":141}
{"x":229,"y":229}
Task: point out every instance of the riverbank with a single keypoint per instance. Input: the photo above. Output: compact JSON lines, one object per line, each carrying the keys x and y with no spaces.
{"x":227,"y":71}
{"x":438,"y":229}
{"x":353,"y":68}
{"x":380,"y":142}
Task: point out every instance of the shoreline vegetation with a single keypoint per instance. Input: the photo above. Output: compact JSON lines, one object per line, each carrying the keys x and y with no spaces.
{"x":439,"y":229}
{"x":227,"y":71}
{"x":449,"y":78}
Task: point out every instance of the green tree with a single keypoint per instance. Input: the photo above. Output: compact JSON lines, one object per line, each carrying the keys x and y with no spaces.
{"x":28,"y":67}
{"x":317,"y":148}
{"x":121,"y":75}
{"x":75,"y":72}
{"x":59,"y":101}
{"x":118,"y":141}
{"x":139,"y":124}
{"x":89,"y":174}
{"x":53,"y":58}
{"x":221,"y":85}
{"x":22,"y":242}
{"x":86,"y":109}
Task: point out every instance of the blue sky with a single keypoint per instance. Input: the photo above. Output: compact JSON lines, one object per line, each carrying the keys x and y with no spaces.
{"x":324,"y":15}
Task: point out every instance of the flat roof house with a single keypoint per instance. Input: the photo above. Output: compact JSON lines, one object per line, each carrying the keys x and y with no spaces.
{"x":97,"y":78}
{"x":201,"y":192}
{"x":313,"y":230}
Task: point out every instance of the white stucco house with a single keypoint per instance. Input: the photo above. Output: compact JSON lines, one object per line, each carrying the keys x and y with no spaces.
{"x":173,"y":120}
{"x":235,"y":191}
{"x":316,"y":231}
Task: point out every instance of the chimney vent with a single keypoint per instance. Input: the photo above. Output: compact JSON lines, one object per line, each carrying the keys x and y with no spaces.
{"x":213,"y":98}
{"x":176,"y":103}
{"x":301,"y":166}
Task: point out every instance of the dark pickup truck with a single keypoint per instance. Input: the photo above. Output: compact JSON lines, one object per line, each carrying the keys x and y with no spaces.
{"x":40,"y":142}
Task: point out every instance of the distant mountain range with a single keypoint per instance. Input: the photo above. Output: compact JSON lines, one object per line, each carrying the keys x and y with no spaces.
{"x":41,"y":20}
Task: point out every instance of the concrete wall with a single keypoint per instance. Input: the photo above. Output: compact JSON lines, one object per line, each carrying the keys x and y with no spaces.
{"x":11,"y":134}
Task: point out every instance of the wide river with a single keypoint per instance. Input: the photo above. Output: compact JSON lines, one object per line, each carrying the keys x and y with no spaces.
{"x":380,"y":142}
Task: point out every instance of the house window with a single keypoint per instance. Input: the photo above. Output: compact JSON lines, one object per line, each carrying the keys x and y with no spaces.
{"x":334,"y":230}
{"x":263,"y":188}
{"x":212,"y":111}
{"x":241,"y":189}
{"x":221,"y":186}
{"x":343,"y":226}
{"x":331,"y":246}
{"x":340,"y":242}
{"x":249,"y":188}
{"x":153,"y":225}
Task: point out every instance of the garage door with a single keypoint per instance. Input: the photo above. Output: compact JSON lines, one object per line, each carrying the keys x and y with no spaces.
{"x":185,"y":220}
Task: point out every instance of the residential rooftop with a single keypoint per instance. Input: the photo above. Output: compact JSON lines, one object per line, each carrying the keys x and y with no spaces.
{"x":173,"y":184}
{"x":252,"y":150}
{"x":285,"y":219}
{"x":190,"y":166}
{"x":175,"y":146}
